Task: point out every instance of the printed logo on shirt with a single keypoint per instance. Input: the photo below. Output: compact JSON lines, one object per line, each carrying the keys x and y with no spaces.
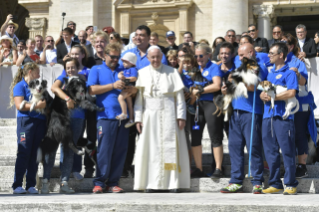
{"x":22,"y":137}
{"x":205,"y":74}
{"x":100,"y":130}
{"x":278,"y":76}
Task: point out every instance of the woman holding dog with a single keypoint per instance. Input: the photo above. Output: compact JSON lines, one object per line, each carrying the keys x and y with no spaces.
{"x":206,"y":108}
{"x":306,"y":102}
{"x":31,"y":128}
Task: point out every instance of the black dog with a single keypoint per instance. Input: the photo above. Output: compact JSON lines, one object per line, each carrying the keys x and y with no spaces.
{"x":59,"y":129}
{"x":246,"y":74}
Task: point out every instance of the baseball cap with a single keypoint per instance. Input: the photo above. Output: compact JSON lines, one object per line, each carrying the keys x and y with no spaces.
{"x":170,"y":33}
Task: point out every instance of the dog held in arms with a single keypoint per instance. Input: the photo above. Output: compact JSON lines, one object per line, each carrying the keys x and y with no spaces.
{"x":38,"y":90}
{"x":272,"y":90}
{"x":246,"y":74}
{"x":59,"y":129}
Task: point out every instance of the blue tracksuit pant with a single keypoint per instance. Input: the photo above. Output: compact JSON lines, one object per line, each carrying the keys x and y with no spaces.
{"x":239,"y":136}
{"x":111,"y":151}
{"x":278,"y":133}
{"x":30,"y":132}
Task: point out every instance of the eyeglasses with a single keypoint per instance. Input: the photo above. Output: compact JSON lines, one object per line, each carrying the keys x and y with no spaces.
{"x":71,"y":24}
{"x":200,"y":56}
{"x":301,"y":32}
{"x":12,"y":27}
{"x":272,"y":54}
{"x":231,"y":36}
{"x":253,"y":30}
{"x":278,"y":32}
{"x":50,"y":41}
{"x":114,"y":57}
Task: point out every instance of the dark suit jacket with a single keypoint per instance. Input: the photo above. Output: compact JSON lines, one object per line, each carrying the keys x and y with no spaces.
{"x":309,"y":47}
{"x":92,"y":58}
{"x":263,"y":43}
{"x":216,"y":51}
{"x":271,"y":42}
{"x":61,"y":51}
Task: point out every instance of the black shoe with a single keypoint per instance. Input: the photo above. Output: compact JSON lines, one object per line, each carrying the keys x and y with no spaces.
{"x":301,"y":171}
{"x":174,"y":190}
{"x":150,"y":191}
{"x":197,"y":173}
{"x":88,"y":173}
{"x":217,"y":174}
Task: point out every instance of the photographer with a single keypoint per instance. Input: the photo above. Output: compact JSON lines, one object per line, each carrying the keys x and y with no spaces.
{"x":9,"y":28}
{"x":48,"y":56}
{"x":188,"y":41}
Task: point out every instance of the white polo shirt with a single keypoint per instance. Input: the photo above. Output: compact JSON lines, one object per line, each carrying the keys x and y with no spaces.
{"x":50,"y":56}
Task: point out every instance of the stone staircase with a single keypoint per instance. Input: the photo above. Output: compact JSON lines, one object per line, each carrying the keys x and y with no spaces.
{"x":8,"y":147}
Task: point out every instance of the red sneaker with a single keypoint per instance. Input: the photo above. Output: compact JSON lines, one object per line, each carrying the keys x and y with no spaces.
{"x":97,"y":190}
{"x":114,"y":189}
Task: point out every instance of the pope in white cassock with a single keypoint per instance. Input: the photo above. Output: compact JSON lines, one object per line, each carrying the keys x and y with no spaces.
{"x":161,"y":158}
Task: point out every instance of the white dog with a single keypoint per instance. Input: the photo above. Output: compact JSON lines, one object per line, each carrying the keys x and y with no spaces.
{"x":272,"y":90}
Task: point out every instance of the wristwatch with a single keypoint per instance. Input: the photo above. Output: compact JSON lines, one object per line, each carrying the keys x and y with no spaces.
{"x":67,"y":99}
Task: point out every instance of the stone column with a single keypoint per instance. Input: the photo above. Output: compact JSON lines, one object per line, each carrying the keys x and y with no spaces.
{"x":229,"y":14}
{"x":36,"y":26}
{"x":125,"y":24}
{"x":264,"y":14}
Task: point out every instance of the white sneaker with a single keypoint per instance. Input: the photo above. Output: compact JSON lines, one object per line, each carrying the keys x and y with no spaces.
{"x":19,"y":190}
{"x":77,"y":176}
{"x":32,"y":190}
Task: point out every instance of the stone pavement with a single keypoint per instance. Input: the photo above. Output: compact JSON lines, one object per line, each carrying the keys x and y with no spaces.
{"x":199,"y":202}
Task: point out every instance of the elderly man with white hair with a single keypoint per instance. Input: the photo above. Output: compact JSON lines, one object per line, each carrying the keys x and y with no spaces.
{"x":161,"y":160}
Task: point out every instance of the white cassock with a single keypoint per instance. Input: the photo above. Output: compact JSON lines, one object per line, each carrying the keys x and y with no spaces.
{"x":161,"y":158}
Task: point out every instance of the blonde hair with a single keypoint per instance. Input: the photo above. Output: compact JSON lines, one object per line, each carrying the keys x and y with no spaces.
{"x":100,"y":33}
{"x":204,"y":41}
{"x":113,"y":47}
{"x":171,"y":53}
{"x":22,"y":72}
{"x":204,"y":47}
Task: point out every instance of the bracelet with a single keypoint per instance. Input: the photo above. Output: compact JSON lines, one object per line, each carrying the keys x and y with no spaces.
{"x":112,"y":86}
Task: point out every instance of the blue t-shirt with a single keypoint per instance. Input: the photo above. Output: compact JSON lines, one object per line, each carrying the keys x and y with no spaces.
{"x":141,"y":61}
{"x":103,"y":75}
{"x":22,"y":89}
{"x":85,"y":72}
{"x":187,"y":80}
{"x":246,"y":104}
{"x":77,"y":112}
{"x":130,"y":72}
{"x":283,"y":77}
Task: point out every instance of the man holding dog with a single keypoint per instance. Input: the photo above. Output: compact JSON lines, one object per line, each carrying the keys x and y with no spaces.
{"x":240,"y":128}
{"x":112,"y":135}
{"x":277,"y":132}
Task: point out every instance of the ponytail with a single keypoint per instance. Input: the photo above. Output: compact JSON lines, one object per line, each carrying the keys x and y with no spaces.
{"x":22,"y":71}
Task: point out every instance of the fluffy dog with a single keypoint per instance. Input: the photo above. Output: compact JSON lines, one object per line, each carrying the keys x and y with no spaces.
{"x":59,"y":129}
{"x":199,"y":81}
{"x":246,"y":74}
{"x":38,"y":90}
{"x":272,"y":90}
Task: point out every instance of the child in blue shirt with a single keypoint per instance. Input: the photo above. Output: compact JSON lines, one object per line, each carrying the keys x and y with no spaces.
{"x":130,"y":74}
{"x":31,"y":129}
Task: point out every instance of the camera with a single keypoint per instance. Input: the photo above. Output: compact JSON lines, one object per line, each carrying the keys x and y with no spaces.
{"x":127,"y":82}
{"x":49,"y":46}
{"x":14,"y":17}
{"x":63,"y":14}
{"x":186,"y":44}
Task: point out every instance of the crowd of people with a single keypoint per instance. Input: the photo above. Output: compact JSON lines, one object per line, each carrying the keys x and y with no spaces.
{"x":151,"y":86}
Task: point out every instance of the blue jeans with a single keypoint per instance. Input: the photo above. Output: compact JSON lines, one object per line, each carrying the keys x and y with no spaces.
{"x":30,"y":132}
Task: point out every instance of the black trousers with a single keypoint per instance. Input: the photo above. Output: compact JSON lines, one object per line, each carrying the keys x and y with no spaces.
{"x":91,"y":132}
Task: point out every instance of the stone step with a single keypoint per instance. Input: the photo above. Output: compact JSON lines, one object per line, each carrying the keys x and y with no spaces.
{"x":144,"y":202}
{"x":306,"y":185}
{"x":8,"y":122}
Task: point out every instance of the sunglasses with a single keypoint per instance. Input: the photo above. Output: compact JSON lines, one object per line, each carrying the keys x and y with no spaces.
{"x":278,"y":32}
{"x":71,"y":24}
{"x":253,"y":30}
{"x":200,"y":56}
{"x":50,"y":41}
{"x":12,"y":27}
{"x":114,"y":57}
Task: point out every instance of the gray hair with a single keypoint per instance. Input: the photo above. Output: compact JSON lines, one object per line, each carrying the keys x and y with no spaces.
{"x":231,"y":30}
{"x":301,"y":26}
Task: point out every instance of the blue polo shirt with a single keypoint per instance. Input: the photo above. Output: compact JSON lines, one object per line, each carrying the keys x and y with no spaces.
{"x":103,"y":75}
{"x":187,"y":80}
{"x":246,"y":104}
{"x":22,"y":89}
{"x":85,"y":72}
{"x":283,"y":77}
{"x":261,"y":56}
{"x":141,"y":61}
{"x":130,"y":72}
{"x":208,"y":73}
{"x":221,"y":73}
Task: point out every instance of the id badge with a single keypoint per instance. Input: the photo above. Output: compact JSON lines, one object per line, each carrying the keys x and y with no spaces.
{"x":196,"y":127}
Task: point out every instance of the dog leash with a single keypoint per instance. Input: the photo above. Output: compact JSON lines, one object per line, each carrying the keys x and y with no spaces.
{"x":252,"y":132}
{"x":196,"y":126}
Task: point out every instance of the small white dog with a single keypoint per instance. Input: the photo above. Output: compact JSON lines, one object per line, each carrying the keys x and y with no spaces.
{"x":272,"y":90}
{"x":38,"y":89}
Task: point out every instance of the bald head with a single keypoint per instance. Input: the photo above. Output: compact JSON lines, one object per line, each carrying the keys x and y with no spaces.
{"x":246,"y":50}
{"x":82,"y":37}
{"x":154,"y":55}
